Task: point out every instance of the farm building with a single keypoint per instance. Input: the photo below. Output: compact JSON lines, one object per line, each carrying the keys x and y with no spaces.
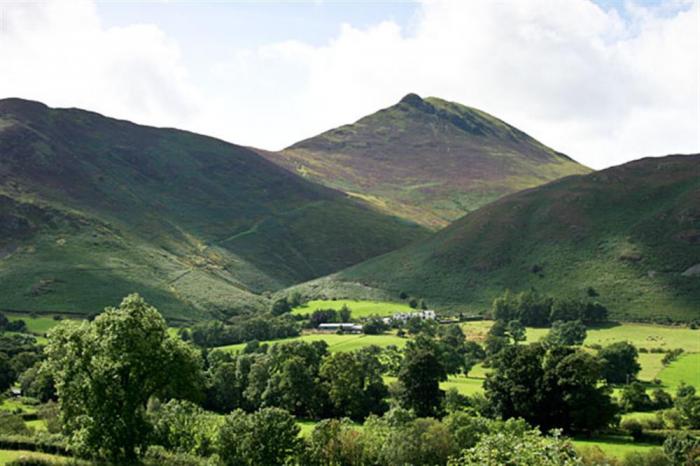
{"x":405,"y":316}
{"x":348,"y":328}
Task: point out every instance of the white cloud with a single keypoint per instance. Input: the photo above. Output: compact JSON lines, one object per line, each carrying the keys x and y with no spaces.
{"x":58,"y":52}
{"x":599,"y":86}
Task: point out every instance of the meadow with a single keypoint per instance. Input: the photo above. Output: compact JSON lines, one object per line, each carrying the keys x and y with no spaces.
{"x":335,"y":342}
{"x":644,"y":336}
{"x":360,"y":309}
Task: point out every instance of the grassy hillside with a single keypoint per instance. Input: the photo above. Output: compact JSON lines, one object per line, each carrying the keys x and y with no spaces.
{"x":631,"y":233}
{"x":92,"y":208}
{"x":427,"y":160}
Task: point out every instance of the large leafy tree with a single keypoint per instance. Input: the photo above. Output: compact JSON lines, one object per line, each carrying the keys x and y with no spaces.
{"x":420,"y":376}
{"x":620,"y":362}
{"x":551,"y":387}
{"x":106,"y":370}
{"x":354,"y":383}
{"x":269,"y":436}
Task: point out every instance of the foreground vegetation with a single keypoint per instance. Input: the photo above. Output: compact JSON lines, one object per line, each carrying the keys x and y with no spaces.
{"x":125,"y":389}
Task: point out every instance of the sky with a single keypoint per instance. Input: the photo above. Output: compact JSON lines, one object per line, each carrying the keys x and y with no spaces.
{"x":604,"y":82}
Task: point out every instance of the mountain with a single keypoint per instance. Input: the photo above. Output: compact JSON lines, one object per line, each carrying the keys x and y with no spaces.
{"x":427,"y":160}
{"x":629,"y":233}
{"x":92,"y":208}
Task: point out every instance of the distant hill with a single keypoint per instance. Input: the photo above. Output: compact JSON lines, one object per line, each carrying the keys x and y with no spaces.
{"x":427,"y":160}
{"x":629,"y":234}
{"x":92,"y":208}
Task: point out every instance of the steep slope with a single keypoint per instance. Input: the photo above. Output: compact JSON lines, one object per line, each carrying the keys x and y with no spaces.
{"x":427,"y":160}
{"x":631,"y":233}
{"x":92,"y":208}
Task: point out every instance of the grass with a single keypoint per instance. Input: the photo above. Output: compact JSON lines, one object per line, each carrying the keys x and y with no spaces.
{"x":464,"y":385}
{"x":38,"y":325}
{"x":335,"y":342}
{"x":360,"y":309}
{"x":14,"y":405}
{"x":617,"y":447}
{"x":685,"y":369}
{"x":646,"y":336}
{"x":307,"y":426}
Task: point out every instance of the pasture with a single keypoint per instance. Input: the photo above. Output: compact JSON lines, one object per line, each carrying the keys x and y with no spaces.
{"x":335,"y":342}
{"x":360,"y":309}
{"x":685,"y":369}
{"x":615,"y":446}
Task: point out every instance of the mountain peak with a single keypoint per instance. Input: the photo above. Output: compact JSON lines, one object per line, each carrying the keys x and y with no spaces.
{"x":415,"y":101}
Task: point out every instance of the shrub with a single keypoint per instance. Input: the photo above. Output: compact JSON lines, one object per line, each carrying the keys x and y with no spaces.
{"x":679,"y":446}
{"x":671,"y":356}
{"x":634,"y":428}
{"x":651,"y":458}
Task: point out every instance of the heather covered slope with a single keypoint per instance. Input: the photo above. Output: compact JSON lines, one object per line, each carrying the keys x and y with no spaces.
{"x":427,"y":160}
{"x":92,"y":208}
{"x":630,"y":233}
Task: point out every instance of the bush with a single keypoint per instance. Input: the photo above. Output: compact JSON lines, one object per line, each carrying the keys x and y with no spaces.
{"x":671,"y":356}
{"x":634,"y":428}
{"x":157,"y":456}
{"x":651,"y":458}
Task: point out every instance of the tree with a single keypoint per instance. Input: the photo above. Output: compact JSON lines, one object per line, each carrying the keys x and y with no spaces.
{"x":515,"y":330}
{"x":552,"y":387}
{"x":106,"y":370}
{"x":333,"y":442}
{"x":295,"y":299}
{"x":620,"y":364}
{"x":288,"y":377}
{"x":634,"y":398}
{"x":374,"y":326}
{"x":354,"y":383}
{"x":528,"y":449}
{"x":688,"y":406}
{"x":7,"y":373}
{"x":38,"y":384}
{"x":566,"y":333}
{"x":269,"y":436}
{"x":413,"y":302}
{"x":280,"y":306}
{"x":345,"y":313}
{"x":681,"y":447}
{"x":184,"y":427}
{"x":420,"y":377}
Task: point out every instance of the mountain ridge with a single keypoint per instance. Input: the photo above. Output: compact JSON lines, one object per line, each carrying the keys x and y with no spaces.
{"x":628,"y":236}
{"x":194,"y":223}
{"x":427,"y":160}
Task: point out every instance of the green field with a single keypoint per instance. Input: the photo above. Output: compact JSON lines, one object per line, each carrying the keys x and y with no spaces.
{"x":685,"y":369}
{"x":617,"y":447}
{"x":335,"y":342}
{"x":38,"y":325}
{"x":360,"y":309}
{"x":14,"y":405}
{"x":640,"y":335}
